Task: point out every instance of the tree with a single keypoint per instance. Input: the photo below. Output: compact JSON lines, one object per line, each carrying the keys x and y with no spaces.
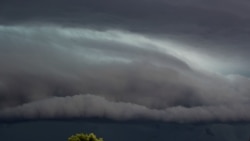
{"x":84,"y":137}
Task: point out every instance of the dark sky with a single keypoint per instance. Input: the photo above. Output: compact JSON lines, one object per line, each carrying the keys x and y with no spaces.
{"x":122,"y":131}
{"x":166,"y":60}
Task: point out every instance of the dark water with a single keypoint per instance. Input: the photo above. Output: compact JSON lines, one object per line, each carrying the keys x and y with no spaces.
{"x":48,"y":130}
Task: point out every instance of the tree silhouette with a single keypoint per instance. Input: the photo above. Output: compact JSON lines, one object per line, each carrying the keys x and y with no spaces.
{"x":84,"y":137}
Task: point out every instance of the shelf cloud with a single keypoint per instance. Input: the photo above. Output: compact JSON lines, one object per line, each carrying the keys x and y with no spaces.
{"x":168,"y":60}
{"x":65,"y":72}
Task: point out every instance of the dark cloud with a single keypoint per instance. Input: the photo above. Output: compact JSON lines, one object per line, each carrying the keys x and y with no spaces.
{"x":118,"y":74}
{"x":196,"y":17}
{"x":88,"y":106}
{"x":163,"y":59}
{"x":214,"y":27}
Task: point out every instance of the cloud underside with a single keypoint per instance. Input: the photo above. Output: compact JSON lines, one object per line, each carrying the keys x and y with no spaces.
{"x":57,"y":72}
{"x":88,"y":106}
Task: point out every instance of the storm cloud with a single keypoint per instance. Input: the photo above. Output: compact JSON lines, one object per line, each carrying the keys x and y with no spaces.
{"x":56,"y":72}
{"x":217,"y":27}
{"x":163,"y":60}
{"x":89,"y":106}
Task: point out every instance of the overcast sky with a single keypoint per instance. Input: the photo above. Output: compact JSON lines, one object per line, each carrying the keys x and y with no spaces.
{"x":168,"y":60}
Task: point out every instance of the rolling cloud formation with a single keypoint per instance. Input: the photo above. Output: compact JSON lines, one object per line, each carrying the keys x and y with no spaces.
{"x":168,"y":60}
{"x":69,"y":72}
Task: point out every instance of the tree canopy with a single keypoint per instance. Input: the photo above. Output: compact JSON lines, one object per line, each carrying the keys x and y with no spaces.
{"x":84,"y":137}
